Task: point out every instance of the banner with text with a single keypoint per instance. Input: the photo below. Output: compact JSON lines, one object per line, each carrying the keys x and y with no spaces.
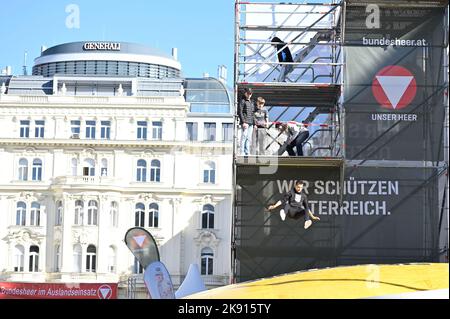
{"x":18,"y":290}
{"x":377,"y":215}
{"x":394,"y":83}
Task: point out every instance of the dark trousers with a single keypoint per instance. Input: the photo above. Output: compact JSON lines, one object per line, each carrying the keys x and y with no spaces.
{"x":295,"y":212}
{"x":297,"y":143}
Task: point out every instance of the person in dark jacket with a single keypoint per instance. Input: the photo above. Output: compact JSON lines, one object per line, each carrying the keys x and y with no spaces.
{"x":246,"y":110}
{"x":284,"y":55}
{"x":295,"y":205}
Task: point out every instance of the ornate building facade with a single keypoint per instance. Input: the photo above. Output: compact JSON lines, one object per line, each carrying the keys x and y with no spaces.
{"x":97,"y":142}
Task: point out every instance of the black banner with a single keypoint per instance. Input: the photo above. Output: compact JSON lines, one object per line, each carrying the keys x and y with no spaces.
{"x":387,"y":215}
{"x":394,"y":83}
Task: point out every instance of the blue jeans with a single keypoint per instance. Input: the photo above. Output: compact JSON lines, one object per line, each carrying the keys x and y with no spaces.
{"x":246,"y":140}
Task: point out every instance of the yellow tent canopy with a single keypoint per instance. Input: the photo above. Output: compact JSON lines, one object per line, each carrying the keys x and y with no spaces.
{"x":364,"y":281}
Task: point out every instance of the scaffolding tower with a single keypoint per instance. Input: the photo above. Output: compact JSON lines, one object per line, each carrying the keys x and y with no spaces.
{"x":307,"y":88}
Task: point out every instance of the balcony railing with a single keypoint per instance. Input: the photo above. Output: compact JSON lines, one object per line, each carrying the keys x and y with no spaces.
{"x":87,"y":180}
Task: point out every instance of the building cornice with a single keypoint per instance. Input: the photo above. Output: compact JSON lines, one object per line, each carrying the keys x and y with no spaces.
{"x":60,"y":101}
{"x":124,"y":189}
{"x":122,"y":144}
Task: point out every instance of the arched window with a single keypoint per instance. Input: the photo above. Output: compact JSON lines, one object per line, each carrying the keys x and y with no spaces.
{"x":89,"y":167}
{"x":112,"y":259}
{"x":57,"y":258}
{"x":34,"y":259}
{"x":153,"y":215}
{"x":21,"y":214}
{"x":209,"y":172}
{"x":104,"y":169}
{"x":141,"y":174}
{"x":23,"y":169}
{"x":91,"y":256}
{"x":208,"y":217}
{"x":18,"y":258}
{"x":74,"y":167}
{"x":139,"y":216}
{"x":155,"y":171}
{"x":113,"y":214}
{"x":37,"y":170}
{"x":79,"y":205}
{"x":59,"y":213}
{"x":137,"y":267}
{"x":207,"y":261}
{"x":92,"y":212}
{"x":77,"y":258}
{"x":35,"y":216}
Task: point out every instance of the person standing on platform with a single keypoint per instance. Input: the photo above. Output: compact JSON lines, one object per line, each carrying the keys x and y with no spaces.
{"x":284,"y":55}
{"x":260,"y":120}
{"x":296,"y":136}
{"x":295,"y":205}
{"x":246,"y":109}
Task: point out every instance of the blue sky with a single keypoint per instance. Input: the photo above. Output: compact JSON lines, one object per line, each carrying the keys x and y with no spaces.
{"x":202,"y":30}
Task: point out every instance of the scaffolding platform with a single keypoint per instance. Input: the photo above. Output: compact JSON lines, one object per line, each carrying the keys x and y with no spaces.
{"x":297,"y":161}
{"x":292,"y":94}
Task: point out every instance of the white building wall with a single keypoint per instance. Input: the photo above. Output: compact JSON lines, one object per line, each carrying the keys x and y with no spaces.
{"x":180,"y":194}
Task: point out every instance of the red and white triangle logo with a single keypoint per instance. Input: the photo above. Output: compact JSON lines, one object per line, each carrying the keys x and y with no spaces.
{"x":394,"y":87}
{"x":104,"y":292}
{"x":139,"y":240}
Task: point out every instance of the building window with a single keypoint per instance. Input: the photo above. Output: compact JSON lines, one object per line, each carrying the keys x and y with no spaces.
{"x":90,"y":129}
{"x":208,"y":217}
{"x":114,"y":215}
{"x":141,"y":174}
{"x":39,"y":128}
{"x":92,"y":212}
{"x":155,"y":171}
{"x":19,"y":256}
{"x":210,"y":132}
{"x":57,"y":258}
{"x":227,"y":132}
{"x":21,"y":214}
{"x":77,"y":258}
{"x":207,"y":261}
{"x":34,"y":259}
{"x":78,"y":212}
{"x":75,"y":128}
{"x":105,"y":129}
{"x":37,"y":170}
{"x":139,"y":215}
{"x":157,"y":130}
{"x":23,"y":169}
{"x":153,"y":215}
{"x":209,"y":172}
{"x":111,"y":259}
{"x":25,"y":128}
{"x":104,"y":168}
{"x":59,"y":213}
{"x":35,"y":216}
{"x":137,"y":267}
{"x":141,"y":130}
{"x":89,"y":167}
{"x":74,"y":167}
{"x":91,"y":256}
{"x":191,"y":131}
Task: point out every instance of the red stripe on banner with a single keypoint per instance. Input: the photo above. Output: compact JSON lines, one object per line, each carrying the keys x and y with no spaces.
{"x":20,"y":290}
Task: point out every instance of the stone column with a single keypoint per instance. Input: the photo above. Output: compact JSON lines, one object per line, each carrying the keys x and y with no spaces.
{"x":66,"y":243}
{"x":103,"y":236}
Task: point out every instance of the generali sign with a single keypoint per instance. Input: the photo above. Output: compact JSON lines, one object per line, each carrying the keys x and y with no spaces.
{"x":105,"y":46}
{"x":19,"y":290}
